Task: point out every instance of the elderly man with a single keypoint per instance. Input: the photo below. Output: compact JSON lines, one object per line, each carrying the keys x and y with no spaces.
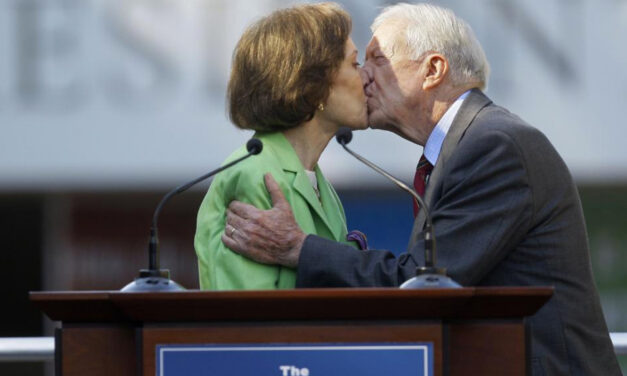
{"x":504,"y":206}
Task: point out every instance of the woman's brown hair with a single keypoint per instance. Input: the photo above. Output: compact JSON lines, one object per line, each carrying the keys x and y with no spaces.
{"x":283,"y":66}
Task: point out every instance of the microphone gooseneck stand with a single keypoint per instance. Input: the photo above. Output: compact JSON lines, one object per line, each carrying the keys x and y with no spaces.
{"x":429,"y":275}
{"x":154,"y":278}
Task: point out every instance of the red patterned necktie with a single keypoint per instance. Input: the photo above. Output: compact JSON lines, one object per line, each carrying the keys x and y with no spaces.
{"x":420,"y":179}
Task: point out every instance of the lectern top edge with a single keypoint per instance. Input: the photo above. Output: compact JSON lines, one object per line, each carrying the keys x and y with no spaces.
{"x":293,"y":305}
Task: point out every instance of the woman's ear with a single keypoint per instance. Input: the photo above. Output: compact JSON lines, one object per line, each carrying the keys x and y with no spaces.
{"x":437,"y":68}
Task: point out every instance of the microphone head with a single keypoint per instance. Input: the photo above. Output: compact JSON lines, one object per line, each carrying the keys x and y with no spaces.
{"x":344,"y":135}
{"x":254,"y":146}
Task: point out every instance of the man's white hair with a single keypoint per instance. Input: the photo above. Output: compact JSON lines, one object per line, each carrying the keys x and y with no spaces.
{"x":429,"y":28}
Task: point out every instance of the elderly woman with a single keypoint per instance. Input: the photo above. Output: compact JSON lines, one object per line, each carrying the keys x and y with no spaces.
{"x":295,"y":80}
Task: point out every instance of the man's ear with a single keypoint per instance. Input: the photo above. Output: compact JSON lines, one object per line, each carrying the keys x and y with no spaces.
{"x":437,"y":68}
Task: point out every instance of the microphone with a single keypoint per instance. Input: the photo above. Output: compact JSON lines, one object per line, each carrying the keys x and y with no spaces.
{"x":428,"y":275}
{"x":154,"y":278}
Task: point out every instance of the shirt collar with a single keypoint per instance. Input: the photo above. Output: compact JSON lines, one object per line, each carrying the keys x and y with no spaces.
{"x":436,"y":138}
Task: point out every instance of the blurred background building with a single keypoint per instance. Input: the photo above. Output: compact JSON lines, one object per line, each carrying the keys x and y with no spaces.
{"x":107,"y":104}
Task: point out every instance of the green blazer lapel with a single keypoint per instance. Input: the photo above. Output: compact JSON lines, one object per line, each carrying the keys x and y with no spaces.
{"x":331,"y":206}
{"x":288,"y":160}
{"x":302,"y":185}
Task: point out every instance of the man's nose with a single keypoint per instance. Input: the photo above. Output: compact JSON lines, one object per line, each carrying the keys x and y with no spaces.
{"x":366,"y":77}
{"x":367,"y":71}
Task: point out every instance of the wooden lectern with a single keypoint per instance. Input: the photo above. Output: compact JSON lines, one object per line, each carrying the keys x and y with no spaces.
{"x":474,"y":331}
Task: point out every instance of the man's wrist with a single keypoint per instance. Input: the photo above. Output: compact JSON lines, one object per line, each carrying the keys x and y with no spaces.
{"x":294,"y":253}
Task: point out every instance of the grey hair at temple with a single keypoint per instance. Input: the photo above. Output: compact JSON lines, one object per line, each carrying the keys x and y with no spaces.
{"x":430,"y":28}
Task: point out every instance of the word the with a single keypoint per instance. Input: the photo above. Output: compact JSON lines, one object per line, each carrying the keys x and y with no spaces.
{"x":294,"y":371}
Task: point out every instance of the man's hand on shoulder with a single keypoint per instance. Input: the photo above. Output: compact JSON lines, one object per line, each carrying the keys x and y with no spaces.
{"x":266,"y":236}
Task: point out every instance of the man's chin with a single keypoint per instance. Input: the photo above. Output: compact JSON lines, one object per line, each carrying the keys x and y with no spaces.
{"x":376,"y":120}
{"x":374,"y":123}
{"x":382,"y":127}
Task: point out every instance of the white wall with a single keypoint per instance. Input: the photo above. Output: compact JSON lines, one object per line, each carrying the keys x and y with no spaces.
{"x":129,"y":94}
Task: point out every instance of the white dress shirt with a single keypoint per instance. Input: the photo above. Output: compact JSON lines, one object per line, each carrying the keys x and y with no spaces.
{"x":436,"y":138}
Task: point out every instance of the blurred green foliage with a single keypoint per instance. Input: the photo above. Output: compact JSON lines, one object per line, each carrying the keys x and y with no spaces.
{"x":605,"y":208}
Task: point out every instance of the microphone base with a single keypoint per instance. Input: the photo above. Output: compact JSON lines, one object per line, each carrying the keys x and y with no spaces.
{"x":153,"y":281}
{"x":430,"y":278}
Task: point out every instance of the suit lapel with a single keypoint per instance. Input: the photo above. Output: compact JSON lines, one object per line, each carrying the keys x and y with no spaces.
{"x":473,"y":103}
{"x":288,"y":160}
{"x":302,"y":185}
{"x":330,"y":205}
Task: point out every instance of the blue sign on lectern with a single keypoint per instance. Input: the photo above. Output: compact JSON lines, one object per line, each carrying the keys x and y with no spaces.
{"x":346,"y":359}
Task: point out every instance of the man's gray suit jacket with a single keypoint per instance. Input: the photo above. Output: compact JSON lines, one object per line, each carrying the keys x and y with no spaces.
{"x":506,"y":213}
